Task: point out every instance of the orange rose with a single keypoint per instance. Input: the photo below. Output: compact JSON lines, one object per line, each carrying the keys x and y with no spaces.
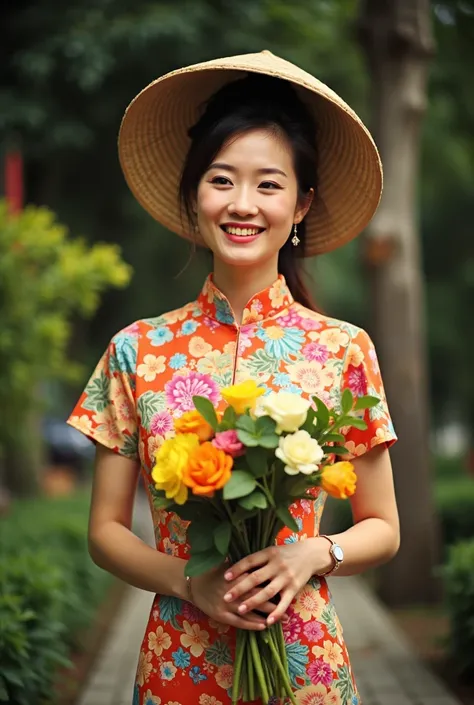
{"x":193,"y":422}
{"x":339,"y":480}
{"x":208,"y":470}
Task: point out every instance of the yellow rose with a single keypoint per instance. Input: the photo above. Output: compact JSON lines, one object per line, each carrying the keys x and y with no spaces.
{"x":193,"y":422}
{"x":339,"y":480}
{"x":172,"y":459}
{"x":288,"y":410}
{"x":242,"y":396}
{"x":300,"y":453}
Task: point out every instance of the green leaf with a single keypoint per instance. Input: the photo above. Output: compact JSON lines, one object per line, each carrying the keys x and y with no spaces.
{"x":265,"y":426}
{"x":200,"y":537}
{"x":256,"y":500}
{"x":190,"y":511}
{"x":269,"y":441}
{"x":347,"y":401}
{"x":333,"y":438}
{"x":245,"y":423}
{"x":248,"y":439}
{"x":160,"y":502}
{"x":203,"y":562}
{"x":228,"y":420}
{"x":222,"y":536}
{"x":283,"y":513}
{"x":257,"y":460}
{"x":309,"y":425}
{"x":357,"y":423}
{"x":322,"y":413}
{"x":335,"y":450}
{"x":241,"y":484}
{"x":207,"y":411}
{"x":367,"y":402}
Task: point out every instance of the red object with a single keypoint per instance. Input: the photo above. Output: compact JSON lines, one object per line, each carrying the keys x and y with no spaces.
{"x":14,"y":191}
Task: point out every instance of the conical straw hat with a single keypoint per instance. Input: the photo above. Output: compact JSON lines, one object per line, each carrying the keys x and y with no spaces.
{"x":153,"y":143}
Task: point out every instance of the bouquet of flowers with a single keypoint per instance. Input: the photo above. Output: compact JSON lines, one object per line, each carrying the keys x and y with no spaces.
{"x":235,"y":475}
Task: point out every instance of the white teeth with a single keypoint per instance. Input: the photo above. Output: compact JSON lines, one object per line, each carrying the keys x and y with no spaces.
{"x":242,"y":232}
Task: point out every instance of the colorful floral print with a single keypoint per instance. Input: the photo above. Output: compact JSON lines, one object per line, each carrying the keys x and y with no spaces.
{"x":145,"y":379}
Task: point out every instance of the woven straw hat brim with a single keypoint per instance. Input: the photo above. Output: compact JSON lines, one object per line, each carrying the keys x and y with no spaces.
{"x":153,"y":143}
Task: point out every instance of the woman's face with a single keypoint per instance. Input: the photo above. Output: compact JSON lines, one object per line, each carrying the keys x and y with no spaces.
{"x":247,"y":200}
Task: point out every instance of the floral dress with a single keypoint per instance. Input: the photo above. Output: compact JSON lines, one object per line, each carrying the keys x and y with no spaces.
{"x":148,"y":376}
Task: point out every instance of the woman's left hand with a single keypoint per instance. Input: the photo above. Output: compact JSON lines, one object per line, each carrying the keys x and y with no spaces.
{"x":286,"y":568}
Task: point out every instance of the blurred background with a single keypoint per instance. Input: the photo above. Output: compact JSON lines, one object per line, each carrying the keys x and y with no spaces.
{"x":79,"y":260}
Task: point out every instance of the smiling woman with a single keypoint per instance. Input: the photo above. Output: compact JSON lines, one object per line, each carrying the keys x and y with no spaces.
{"x":261,"y":163}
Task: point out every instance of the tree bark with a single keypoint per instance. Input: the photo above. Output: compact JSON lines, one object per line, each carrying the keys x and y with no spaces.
{"x":396,"y":37}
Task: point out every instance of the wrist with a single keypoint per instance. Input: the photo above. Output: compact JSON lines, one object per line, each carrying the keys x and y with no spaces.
{"x":323,"y":560}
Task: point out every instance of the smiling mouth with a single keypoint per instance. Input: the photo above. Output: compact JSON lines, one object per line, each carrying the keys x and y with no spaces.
{"x":241,"y":232}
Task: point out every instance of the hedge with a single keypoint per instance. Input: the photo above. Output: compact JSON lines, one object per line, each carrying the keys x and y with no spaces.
{"x":459,"y":590}
{"x":49,"y":590}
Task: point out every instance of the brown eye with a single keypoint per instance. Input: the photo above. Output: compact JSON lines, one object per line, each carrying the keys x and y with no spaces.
{"x":269,"y":185}
{"x":221,"y":181}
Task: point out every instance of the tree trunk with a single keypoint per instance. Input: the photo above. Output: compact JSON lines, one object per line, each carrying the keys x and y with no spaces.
{"x":396,"y":37}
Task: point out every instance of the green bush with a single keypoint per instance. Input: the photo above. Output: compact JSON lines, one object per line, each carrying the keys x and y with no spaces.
{"x":459,"y":589}
{"x":49,"y":589}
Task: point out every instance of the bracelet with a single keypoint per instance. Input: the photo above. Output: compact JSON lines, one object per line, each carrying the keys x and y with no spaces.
{"x":189,"y":589}
{"x":334,"y":566}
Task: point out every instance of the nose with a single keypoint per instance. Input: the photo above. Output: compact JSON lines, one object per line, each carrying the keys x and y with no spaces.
{"x":243,"y":204}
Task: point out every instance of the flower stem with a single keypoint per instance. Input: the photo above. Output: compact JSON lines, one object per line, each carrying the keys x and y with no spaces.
{"x":250,"y":677}
{"x":278,"y":662}
{"x":258,"y":667}
{"x":239,"y":655}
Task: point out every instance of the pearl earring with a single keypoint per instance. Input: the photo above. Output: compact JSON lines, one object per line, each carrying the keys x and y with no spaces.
{"x":295,"y":239}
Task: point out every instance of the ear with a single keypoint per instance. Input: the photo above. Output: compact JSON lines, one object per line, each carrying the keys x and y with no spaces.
{"x":303,"y":206}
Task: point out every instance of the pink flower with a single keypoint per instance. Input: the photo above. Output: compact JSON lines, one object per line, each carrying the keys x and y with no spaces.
{"x":316,"y":352}
{"x":161,"y":424}
{"x":320,"y":672}
{"x":290,"y":320}
{"x":292,"y":628}
{"x":357,"y":380}
{"x":228,"y":442}
{"x":309,"y":324}
{"x":181,"y":389}
{"x":313,"y":631}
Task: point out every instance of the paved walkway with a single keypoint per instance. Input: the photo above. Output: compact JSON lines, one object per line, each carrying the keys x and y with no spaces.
{"x":386,"y":668}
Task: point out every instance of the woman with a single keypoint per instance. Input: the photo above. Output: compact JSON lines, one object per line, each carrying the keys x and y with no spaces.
{"x":258,"y":161}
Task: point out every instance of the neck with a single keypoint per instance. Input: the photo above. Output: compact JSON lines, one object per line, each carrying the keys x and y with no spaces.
{"x":239,"y":284}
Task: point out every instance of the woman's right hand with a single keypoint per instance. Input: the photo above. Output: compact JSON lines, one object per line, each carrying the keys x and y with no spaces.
{"x":208,"y":592}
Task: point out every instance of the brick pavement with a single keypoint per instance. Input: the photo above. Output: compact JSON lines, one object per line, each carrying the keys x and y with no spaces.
{"x":387,"y":670}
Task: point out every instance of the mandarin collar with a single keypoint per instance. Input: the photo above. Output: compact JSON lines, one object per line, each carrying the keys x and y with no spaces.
{"x":267,"y":303}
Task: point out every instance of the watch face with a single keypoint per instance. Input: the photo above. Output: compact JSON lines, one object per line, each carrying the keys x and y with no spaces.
{"x":338,"y":553}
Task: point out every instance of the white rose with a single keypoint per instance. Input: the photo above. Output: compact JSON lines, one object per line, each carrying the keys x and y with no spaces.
{"x":300,"y":453}
{"x":288,"y":410}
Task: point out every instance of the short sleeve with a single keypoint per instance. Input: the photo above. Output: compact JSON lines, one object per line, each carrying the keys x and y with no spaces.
{"x":106,"y":410}
{"x":361,"y":374}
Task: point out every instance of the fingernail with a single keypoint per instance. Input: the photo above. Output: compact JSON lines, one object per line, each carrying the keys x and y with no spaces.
{"x":270,"y":620}
{"x":228,"y":576}
{"x":228,"y":597}
{"x":242,"y":609}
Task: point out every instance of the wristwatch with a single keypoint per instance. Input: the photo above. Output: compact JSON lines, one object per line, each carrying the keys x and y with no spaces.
{"x":337,"y":555}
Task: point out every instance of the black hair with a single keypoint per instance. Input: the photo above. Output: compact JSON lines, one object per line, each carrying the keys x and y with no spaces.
{"x":254,"y":102}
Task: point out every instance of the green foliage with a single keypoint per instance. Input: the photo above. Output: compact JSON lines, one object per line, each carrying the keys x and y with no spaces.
{"x":49,"y":589}
{"x":46,"y":278}
{"x":454,"y":500}
{"x":459,"y":588}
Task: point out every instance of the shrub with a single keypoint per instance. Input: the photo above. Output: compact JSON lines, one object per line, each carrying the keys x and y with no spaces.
{"x":454,"y":499}
{"x":459,"y":589}
{"x":49,"y":589}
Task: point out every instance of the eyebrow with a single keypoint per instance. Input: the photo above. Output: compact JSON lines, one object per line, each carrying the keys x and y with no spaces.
{"x":265,"y":170}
